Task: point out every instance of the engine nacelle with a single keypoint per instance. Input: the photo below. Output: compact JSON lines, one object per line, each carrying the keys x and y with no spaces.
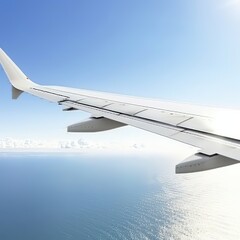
{"x":202,"y":162}
{"x":95,"y":125}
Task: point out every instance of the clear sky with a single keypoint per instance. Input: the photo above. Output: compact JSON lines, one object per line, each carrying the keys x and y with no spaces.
{"x":180,"y":50}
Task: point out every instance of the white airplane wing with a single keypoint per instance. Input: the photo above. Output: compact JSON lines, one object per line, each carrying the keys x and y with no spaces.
{"x":214,"y":131}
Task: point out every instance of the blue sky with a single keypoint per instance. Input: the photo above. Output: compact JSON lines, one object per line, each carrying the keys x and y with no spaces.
{"x":185,"y":51}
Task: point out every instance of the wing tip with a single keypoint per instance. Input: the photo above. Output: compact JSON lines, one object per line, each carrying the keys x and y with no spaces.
{"x":16,"y":77}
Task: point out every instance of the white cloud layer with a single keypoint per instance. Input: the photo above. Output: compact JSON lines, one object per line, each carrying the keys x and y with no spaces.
{"x":162,"y":146}
{"x":10,"y":144}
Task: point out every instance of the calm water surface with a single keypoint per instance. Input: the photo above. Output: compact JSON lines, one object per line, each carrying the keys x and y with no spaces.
{"x":107,"y":197}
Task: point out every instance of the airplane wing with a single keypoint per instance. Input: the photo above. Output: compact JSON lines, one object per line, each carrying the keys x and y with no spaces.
{"x":215,"y":132}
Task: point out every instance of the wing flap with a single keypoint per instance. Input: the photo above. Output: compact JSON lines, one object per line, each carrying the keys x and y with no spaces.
{"x":94,"y":102}
{"x":125,"y":108}
{"x":163,"y":116}
{"x":128,"y":120}
{"x":209,"y":145}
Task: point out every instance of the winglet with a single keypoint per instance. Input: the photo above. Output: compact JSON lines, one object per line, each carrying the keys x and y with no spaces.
{"x":17,"y":78}
{"x":16,"y":92}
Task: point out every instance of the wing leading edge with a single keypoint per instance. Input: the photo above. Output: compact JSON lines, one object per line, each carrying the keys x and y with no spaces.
{"x":205,"y":128}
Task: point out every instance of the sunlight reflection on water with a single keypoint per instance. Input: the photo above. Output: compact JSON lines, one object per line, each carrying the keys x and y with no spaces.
{"x":72,"y":197}
{"x":204,"y":205}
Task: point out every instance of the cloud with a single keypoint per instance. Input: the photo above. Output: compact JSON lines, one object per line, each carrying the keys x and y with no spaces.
{"x":66,"y":144}
{"x":9,"y":143}
{"x":157,"y":145}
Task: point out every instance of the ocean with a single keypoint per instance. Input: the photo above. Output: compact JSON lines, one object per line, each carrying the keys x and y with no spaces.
{"x":82,"y":196}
